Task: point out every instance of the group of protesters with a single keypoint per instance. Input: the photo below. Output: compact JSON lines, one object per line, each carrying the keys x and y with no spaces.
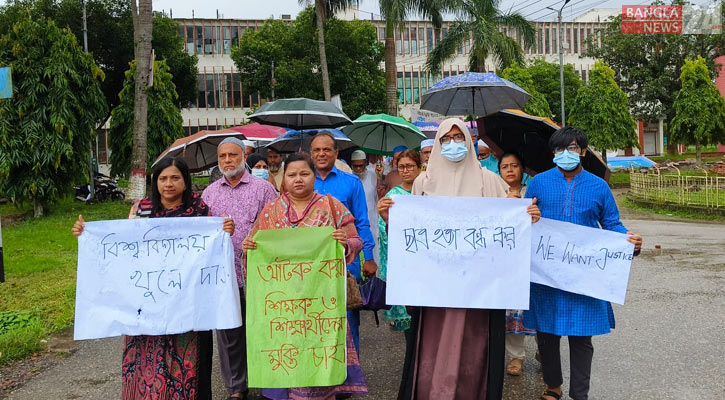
{"x":449,"y":353}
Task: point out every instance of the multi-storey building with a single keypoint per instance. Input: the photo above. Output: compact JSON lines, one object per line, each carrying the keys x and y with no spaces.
{"x":223,"y":101}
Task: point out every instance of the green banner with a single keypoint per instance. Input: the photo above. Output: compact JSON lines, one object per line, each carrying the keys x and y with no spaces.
{"x":296,"y":314}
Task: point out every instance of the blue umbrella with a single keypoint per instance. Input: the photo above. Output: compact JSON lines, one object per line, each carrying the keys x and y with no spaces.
{"x":473,"y":93}
{"x":293,"y":141}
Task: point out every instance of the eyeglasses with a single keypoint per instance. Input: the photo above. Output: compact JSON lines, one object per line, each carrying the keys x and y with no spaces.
{"x":574,"y":148}
{"x":407,"y":167}
{"x":458,"y":138}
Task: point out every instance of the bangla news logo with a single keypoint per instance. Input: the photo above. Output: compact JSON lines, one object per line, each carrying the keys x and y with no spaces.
{"x":660,"y":19}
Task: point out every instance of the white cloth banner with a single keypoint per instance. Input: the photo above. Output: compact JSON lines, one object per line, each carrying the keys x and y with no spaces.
{"x":155,"y":276}
{"x":579,"y":259}
{"x":460,"y":252}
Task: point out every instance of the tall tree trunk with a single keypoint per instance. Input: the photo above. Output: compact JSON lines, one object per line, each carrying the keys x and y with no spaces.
{"x":142,"y":34}
{"x":698,"y":150}
{"x":604,"y":156}
{"x":320,"y":16}
{"x":391,"y":74}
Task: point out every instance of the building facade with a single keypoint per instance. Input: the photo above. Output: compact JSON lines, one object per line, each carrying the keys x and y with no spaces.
{"x":223,"y":101}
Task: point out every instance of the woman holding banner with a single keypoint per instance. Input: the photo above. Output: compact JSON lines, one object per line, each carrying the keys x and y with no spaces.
{"x":408,"y":167}
{"x":456,"y":353}
{"x":167,"y":366}
{"x":511,"y":168}
{"x":301,"y":207}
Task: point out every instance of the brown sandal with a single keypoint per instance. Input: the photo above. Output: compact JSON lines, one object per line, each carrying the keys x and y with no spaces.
{"x":515,"y":367}
{"x":549,"y":393}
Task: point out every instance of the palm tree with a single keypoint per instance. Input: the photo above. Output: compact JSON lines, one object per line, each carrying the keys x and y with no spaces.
{"x":324,"y":8}
{"x":481,"y":20}
{"x":395,"y":13}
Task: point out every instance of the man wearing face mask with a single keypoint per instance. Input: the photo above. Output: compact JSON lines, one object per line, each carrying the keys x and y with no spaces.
{"x":569,"y":193}
{"x":359,"y":164}
{"x":486,"y":158}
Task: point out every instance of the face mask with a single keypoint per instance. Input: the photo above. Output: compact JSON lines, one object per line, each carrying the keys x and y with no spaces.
{"x":454,"y":151}
{"x":490,"y":163}
{"x":260,"y":173}
{"x":566,"y":160}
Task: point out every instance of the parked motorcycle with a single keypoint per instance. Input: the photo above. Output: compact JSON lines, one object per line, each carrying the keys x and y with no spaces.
{"x":105,"y":188}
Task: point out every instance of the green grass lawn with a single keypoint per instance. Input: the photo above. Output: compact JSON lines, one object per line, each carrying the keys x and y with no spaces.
{"x":40,"y":272}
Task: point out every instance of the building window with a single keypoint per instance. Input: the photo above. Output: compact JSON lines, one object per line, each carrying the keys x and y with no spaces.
{"x":408,"y":88}
{"x":400,"y":87}
{"x":201,"y":92}
{"x":208,"y":42}
{"x":406,"y":41}
{"x":414,"y":40}
{"x":421,"y":40}
{"x":199,"y":39}
{"x":235,"y":36}
{"x":575,"y":39}
{"x":416,"y":88}
{"x":190,"y":40}
{"x":217,"y":39}
{"x":210,"y":98}
{"x":398,"y":42}
{"x":547,"y":49}
{"x":429,"y":37}
{"x":227,"y":39}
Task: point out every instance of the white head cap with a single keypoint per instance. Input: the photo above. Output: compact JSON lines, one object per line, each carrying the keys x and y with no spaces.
{"x":233,"y":140}
{"x":427,"y":143}
{"x":250,"y":143}
{"x":358,"y":155}
{"x":481,"y":143}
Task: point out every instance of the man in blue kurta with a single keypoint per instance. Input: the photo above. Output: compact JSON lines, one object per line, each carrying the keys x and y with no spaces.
{"x":569,"y":193}
{"x":349,"y":190}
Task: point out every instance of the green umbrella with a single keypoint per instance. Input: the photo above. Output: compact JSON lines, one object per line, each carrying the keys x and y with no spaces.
{"x":381,"y":133}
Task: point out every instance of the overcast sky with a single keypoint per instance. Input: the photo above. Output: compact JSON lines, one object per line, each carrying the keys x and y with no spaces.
{"x":259,"y":9}
{"x":533,"y":9}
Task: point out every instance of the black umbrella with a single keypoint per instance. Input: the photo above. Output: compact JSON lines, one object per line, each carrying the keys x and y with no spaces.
{"x":301,"y":113}
{"x":514,"y":131}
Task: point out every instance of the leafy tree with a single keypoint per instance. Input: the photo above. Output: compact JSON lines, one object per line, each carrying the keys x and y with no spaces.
{"x":548,"y":82}
{"x":699,"y":108}
{"x":110,"y":39}
{"x":395,"y":13}
{"x":47,"y":126}
{"x":647,"y":67}
{"x":164,"y":119}
{"x":354,"y":72}
{"x":537,"y":105}
{"x":601,"y":109}
{"x":325,"y":9}
{"x":480,"y":20}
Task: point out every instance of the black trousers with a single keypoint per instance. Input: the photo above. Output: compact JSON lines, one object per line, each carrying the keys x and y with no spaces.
{"x":232,"y":345}
{"x":581,"y":352}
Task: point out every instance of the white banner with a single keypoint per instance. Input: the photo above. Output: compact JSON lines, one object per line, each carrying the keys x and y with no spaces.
{"x":459,"y":252}
{"x":579,"y":259}
{"x":155,"y":276}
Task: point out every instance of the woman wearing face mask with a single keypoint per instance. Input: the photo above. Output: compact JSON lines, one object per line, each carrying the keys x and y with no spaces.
{"x":457,"y":353}
{"x":257,"y":164}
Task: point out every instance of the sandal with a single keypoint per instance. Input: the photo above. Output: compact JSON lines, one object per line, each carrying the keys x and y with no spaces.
{"x":515,"y":367}
{"x":549,"y":393}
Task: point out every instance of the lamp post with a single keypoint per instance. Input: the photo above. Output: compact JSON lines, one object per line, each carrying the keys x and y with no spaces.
{"x":561,"y":61}
{"x":91,"y":183}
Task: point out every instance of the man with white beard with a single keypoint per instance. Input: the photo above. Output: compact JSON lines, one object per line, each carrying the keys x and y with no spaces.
{"x":359,"y":163}
{"x":241,"y":196}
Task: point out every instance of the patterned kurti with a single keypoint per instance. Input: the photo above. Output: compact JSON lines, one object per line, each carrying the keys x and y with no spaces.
{"x":166,"y":367}
{"x":588,"y":201}
{"x":397,"y":314}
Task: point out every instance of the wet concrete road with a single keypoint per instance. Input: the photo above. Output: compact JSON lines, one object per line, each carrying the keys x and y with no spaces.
{"x":669,"y":342}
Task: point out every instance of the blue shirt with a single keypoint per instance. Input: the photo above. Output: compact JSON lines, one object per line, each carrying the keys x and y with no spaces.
{"x":588,"y":201}
{"x":349,"y":190}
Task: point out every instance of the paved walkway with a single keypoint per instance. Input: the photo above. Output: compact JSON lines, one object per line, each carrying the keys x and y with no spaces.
{"x":669,"y":342}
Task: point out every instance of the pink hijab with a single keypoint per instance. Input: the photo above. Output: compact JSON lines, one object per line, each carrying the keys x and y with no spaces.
{"x":465,"y":178}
